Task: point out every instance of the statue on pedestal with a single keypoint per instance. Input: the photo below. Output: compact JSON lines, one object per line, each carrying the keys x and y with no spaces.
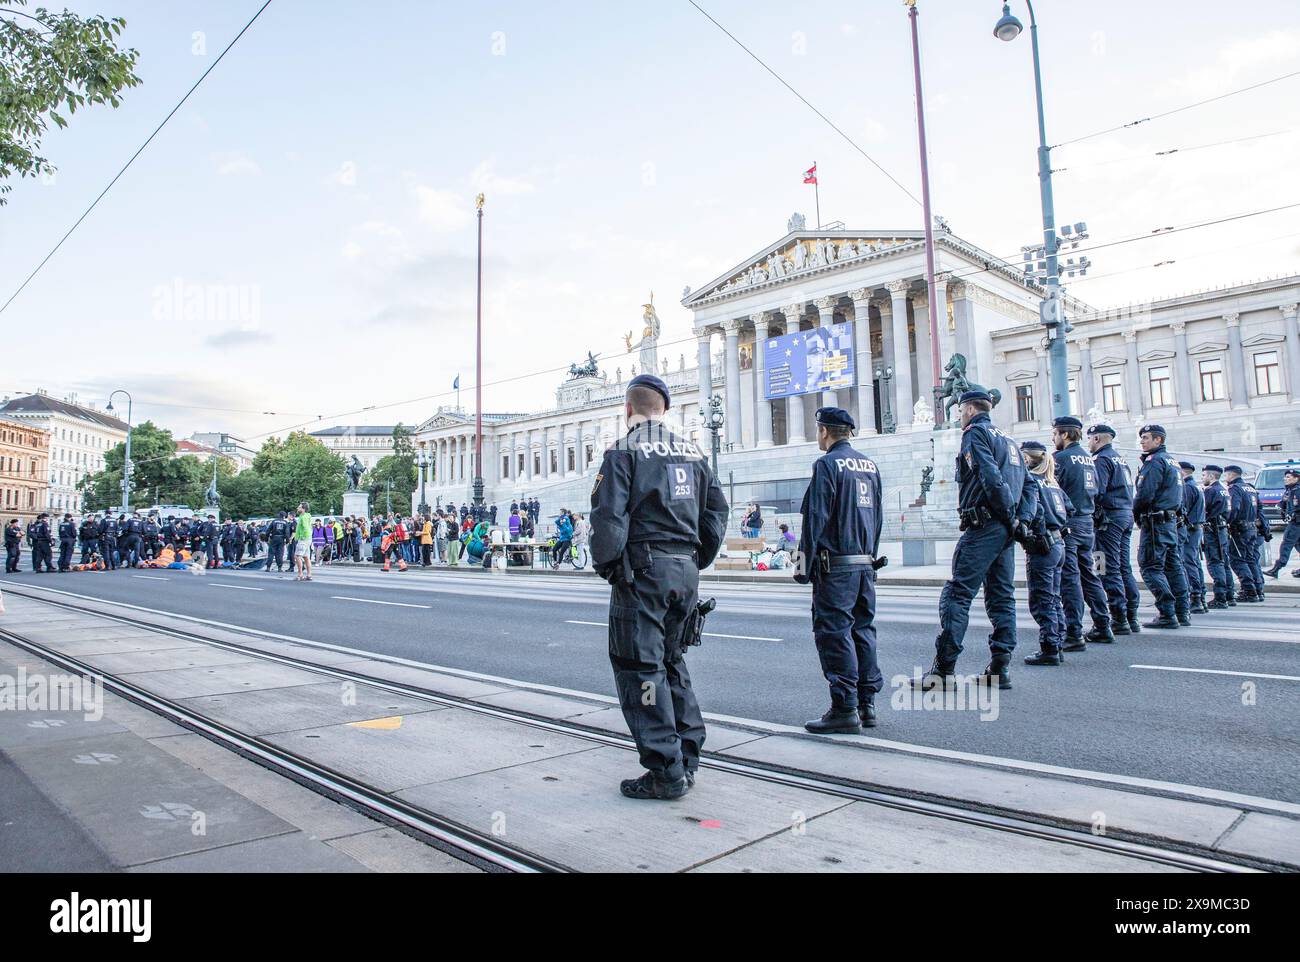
{"x":212,"y":497}
{"x":587,"y":369}
{"x":649,"y":344}
{"x":921,"y":413}
{"x":955,"y":384}
{"x":355,"y":470}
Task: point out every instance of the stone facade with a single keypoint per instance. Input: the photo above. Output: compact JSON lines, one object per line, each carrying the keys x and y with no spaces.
{"x":24,"y":470}
{"x":369,"y":442}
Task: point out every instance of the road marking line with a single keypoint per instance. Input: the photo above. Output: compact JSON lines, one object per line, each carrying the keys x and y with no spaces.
{"x":1215,"y":671}
{"x":773,"y":728}
{"x":707,"y":634}
{"x":371,"y":601}
{"x":150,"y":578}
{"x":218,"y":584}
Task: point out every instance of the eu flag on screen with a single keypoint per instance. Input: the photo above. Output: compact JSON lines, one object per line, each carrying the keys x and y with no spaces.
{"x":806,"y":362}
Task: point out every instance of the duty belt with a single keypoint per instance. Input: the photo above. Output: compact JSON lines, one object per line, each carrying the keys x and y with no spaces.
{"x":852,"y":560}
{"x":1158,"y":516}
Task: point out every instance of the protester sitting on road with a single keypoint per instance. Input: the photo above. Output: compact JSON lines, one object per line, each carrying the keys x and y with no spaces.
{"x":788,"y":541}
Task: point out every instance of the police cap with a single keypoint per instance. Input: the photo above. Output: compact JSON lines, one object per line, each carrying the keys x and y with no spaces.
{"x":1291,"y":473}
{"x":968,"y":396}
{"x":1233,"y":467}
{"x":1068,"y":421}
{"x":1153,"y":429}
{"x":1033,"y":446}
{"x":1187,"y":465}
{"x":835,"y":418}
{"x":1101,"y":429}
{"x":654,"y":383}
{"x":1213,"y":467}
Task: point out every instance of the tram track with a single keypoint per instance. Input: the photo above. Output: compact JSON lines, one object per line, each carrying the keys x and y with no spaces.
{"x":494,"y":853}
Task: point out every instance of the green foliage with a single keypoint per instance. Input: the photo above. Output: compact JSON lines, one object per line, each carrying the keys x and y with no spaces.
{"x":399,"y":468}
{"x":53,"y":62}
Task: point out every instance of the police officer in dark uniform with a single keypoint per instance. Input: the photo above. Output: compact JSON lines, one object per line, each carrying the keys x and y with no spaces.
{"x":1112,"y":523}
{"x":1044,"y":545}
{"x":67,"y":541}
{"x":1191,"y":522}
{"x":1260,"y":532}
{"x":132,"y":540}
{"x":1156,"y":502}
{"x":276,"y":534}
{"x":990,"y":479}
{"x":1077,"y":475}
{"x":842,"y":518}
{"x":39,"y":536}
{"x":492,"y":515}
{"x":152,"y":537}
{"x":1215,"y":536}
{"x":658,"y":516}
{"x":209,"y":535}
{"x":1241,"y":533}
{"x":108,"y":531}
{"x":1289,"y":507}
{"x":13,"y":546}
{"x":89,"y":537}
{"x":239,"y":536}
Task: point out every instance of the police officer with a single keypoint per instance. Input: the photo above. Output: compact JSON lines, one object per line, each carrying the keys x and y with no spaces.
{"x":1113,"y":529}
{"x":1191,"y":523}
{"x":1242,"y":550}
{"x":13,"y":546}
{"x":1077,"y":475}
{"x":67,"y":541}
{"x":1155,"y":507}
{"x":209,"y":535}
{"x":108,"y":532}
{"x":990,"y":479}
{"x":89,"y":537}
{"x":39,"y":536}
{"x":658,"y":516}
{"x":152,"y":537}
{"x":837,"y":553}
{"x":132,"y":540}
{"x":1289,"y":507}
{"x":1263,"y":531}
{"x":239,"y":537}
{"x":1044,"y":546}
{"x":1215,"y":536}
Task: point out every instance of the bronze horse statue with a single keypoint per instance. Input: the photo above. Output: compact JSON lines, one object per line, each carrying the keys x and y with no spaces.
{"x":955,"y":384}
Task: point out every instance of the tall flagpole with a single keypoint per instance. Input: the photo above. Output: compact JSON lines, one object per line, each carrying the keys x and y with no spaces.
{"x":935,"y":307}
{"x":478,"y":367}
{"x":817,"y":193}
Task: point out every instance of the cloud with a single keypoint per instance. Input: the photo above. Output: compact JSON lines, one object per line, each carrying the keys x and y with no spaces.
{"x":236,"y":165}
{"x":346,"y":175}
{"x":442,"y":210}
{"x":1247,"y":57}
{"x":236,"y":337}
{"x":488,"y":181}
{"x":352,"y":250}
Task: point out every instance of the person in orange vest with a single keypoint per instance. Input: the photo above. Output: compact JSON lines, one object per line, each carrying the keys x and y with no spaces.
{"x":392,"y":546}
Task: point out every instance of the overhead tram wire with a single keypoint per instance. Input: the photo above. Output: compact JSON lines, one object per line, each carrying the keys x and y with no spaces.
{"x":1177,"y":110}
{"x":127,"y":165}
{"x":852,"y":143}
{"x":1172,"y":151}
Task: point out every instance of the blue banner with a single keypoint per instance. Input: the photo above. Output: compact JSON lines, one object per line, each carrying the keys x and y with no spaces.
{"x":806,"y":362}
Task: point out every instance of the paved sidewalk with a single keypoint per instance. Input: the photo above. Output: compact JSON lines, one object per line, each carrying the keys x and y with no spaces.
{"x":554,"y":793}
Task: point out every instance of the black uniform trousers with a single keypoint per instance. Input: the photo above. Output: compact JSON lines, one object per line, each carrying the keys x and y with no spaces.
{"x":65,"y":554}
{"x":843,"y":617}
{"x":108,"y":551}
{"x":42,"y":556}
{"x":1243,"y":556}
{"x":275,"y":553}
{"x":1079,"y":581}
{"x":1114,"y":540}
{"x":984,"y":557}
{"x":11,"y":557}
{"x":1162,"y":568}
{"x":646,"y":621}
{"x":1189,"y":546}
{"x":1216,"y":559}
{"x":1289,"y":539}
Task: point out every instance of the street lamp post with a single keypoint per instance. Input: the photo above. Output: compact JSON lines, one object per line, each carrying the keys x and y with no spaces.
{"x":478,"y":365}
{"x":126,"y":464}
{"x":884,"y":376}
{"x":713,"y":420}
{"x":424,"y":464}
{"x":1051,"y":311}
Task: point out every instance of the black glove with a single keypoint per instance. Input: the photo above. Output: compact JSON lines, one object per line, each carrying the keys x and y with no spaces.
{"x":611,"y":573}
{"x":801,"y":578}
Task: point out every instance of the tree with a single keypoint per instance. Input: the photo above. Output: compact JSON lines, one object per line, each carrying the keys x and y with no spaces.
{"x":399,"y":468}
{"x":50,"y":62}
{"x":157,"y":475}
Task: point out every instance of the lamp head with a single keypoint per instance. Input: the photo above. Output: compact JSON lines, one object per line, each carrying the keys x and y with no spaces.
{"x":1008,"y":28}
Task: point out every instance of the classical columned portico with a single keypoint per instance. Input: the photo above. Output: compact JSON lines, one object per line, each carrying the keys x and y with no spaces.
{"x":1183,"y":360}
{"x":863,"y":362}
{"x":1291,"y":326}
{"x":763,"y":407}
{"x":704,"y":356}
{"x":1238,"y":386}
{"x":734,"y":428}
{"x":1084,"y":382}
{"x":903,"y":399}
{"x":1136,"y":397}
{"x":794,"y":427}
{"x":925,"y":372}
{"x":826,"y":318}
{"x":1042,"y":403}
{"x":947,"y":346}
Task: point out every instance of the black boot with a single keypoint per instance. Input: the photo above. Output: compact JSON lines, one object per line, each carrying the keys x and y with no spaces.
{"x":1044,"y":657}
{"x":1296,"y":573}
{"x":1184,"y":619}
{"x":1273,"y":571}
{"x":997,"y":668}
{"x":1232,"y":601}
{"x":837,"y":721}
{"x":1074,"y":643}
{"x":867,"y":713}
{"x":648,"y":786}
{"x":1100,"y":634}
{"x":937,"y":676}
{"x":1134,"y":625}
{"x":1118,"y":623}
{"x":1164,"y":621}
{"x":1218,"y":604}
{"x":1201,"y":607}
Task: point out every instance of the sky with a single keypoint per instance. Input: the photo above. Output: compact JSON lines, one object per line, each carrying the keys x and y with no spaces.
{"x":297,"y":247}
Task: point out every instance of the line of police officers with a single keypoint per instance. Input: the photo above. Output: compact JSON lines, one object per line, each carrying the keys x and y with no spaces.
{"x":127,"y":541}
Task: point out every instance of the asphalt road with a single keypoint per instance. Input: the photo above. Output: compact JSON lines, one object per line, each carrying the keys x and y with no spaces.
{"x":1213,"y":706}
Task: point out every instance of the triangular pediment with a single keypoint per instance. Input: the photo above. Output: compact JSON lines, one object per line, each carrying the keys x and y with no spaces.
{"x":1212,"y":347}
{"x":1109,"y":362}
{"x":443,"y":419}
{"x":1259,"y":339}
{"x":1156,"y":356}
{"x":1022,"y":376}
{"x":801,"y":253}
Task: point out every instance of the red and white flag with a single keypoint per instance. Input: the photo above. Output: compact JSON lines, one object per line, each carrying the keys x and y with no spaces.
{"x":810,"y":175}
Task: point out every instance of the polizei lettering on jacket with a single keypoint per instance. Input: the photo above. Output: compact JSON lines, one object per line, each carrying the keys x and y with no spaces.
{"x":676,"y":448}
{"x":865,"y":465}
